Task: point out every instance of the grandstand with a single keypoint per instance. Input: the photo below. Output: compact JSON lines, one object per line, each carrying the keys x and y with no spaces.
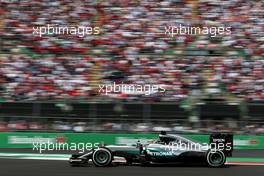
{"x":200,"y":73}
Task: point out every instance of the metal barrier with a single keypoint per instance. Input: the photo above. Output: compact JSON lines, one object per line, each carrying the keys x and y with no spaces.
{"x":135,"y":110}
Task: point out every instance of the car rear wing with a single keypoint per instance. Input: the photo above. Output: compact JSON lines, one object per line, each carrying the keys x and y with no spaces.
{"x":223,"y":142}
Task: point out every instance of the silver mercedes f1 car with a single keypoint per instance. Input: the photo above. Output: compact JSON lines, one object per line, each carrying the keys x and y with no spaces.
{"x":168,"y":148}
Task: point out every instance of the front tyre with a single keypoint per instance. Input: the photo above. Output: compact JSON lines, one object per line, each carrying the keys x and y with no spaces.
{"x":216,"y":159}
{"x":102,"y":157}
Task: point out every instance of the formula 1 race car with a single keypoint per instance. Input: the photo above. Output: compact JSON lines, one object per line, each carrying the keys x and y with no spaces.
{"x":168,"y":148}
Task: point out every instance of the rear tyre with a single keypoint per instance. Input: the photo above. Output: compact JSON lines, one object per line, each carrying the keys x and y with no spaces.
{"x":216,"y":159}
{"x":102,"y":157}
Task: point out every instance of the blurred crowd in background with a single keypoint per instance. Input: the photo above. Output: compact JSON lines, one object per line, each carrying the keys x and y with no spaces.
{"x":131,"y":49}
{"x":130,"y":28}
{"x":235,"y":127}
{"x":24,"y":79}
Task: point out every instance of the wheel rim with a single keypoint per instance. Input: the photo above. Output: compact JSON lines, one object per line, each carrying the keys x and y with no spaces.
{"x":216,"y":158}
{"x":102,"y":157}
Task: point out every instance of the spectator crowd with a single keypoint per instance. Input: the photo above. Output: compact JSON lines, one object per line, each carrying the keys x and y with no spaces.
{"x":132,"y":49}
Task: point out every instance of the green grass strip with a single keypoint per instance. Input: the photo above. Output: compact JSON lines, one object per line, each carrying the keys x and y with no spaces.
{"x":245,"y":159}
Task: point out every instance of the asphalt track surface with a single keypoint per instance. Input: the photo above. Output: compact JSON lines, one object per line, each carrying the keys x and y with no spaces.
{"x":20,"y":167}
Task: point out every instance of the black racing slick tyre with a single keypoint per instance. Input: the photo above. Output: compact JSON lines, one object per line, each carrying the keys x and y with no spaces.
{"x":215,"y":158}
{"x":102,"y":157}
